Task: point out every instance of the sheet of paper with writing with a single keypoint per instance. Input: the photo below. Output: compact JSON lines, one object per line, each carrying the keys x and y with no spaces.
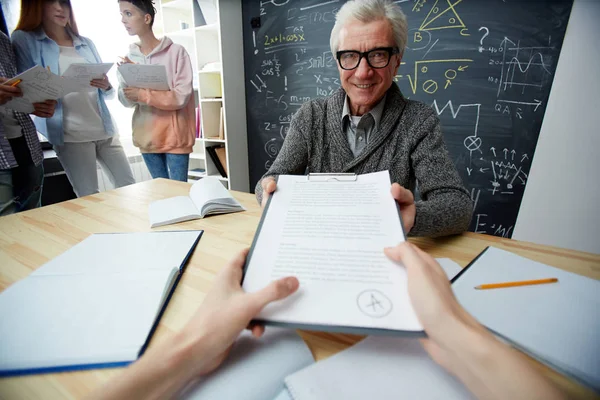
{"x":37,"y":84}
{"x":331,"y":234}
{"x":145,"y":76}
{"x":78,"y":76}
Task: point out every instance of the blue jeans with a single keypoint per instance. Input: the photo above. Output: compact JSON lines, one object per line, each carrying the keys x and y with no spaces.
{"x":167,"y":165}
{"x":21,"y":187}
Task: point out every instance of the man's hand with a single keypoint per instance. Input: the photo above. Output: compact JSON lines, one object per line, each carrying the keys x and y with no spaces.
{"x":132,"y":94}
{"x":268,"y":185}
{"x":225,"y":312}
{"x":44,"y":109}
{"x":102,"y":83}
{"x":7,"y":92}
{"x":408,"y":209}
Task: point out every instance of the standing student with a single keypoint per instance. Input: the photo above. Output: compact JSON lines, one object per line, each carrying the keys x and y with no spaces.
{"x":163,"y":120}
{"x":81,"y":130}
{"x":21,"y":170}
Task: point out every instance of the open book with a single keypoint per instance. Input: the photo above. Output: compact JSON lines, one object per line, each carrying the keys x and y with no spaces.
{"x":207,"y":197}
{"x":96,"y":305}
{"x":330,"y":231}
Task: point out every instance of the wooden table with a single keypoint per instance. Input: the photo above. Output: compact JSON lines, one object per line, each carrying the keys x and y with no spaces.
{"x":29,"y":239}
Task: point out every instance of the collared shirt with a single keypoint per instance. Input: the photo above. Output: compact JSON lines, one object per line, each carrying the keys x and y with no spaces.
{"x":359,"y":129}
{"x":8,"y":69}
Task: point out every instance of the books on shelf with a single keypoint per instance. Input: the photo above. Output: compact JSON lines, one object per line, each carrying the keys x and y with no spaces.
{"x":219,"y":159}
{"x":207,"y":197}
{"x":94,"y":306}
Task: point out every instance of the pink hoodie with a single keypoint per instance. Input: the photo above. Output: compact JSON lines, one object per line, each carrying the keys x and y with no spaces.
{"x":164,"y":121}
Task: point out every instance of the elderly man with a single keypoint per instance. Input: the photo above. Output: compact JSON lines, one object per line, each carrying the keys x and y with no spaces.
{"x":368,"y":126}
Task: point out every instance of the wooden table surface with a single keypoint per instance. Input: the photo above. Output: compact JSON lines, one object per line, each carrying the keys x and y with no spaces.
{"x":30,"y":239}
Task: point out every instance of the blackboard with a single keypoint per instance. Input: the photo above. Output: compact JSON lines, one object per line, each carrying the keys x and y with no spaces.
{"x":485,"y":66}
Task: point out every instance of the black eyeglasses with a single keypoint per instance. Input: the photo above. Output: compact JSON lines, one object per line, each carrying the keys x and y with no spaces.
{"x":376,"y":58}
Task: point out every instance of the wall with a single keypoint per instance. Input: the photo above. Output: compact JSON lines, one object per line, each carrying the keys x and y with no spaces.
{"x":561,"y":203}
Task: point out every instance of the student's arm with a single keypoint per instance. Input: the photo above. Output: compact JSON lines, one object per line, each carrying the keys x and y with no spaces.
{"x":456,"y":341}
{"x":169,"y":366}
{"x":179,"y":95}
{"x":23,"y":51}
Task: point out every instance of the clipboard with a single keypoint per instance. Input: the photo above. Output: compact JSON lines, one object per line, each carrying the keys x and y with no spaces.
{"x":314,"y":178}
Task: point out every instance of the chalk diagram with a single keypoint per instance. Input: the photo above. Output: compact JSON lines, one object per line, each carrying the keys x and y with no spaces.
{"x":373,"y":303}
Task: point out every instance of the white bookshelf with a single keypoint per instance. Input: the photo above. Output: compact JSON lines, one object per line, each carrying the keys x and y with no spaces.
{"x":205,"y":44}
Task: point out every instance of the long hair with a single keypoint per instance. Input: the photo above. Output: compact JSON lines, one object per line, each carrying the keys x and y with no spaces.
{"x":32,"y":13}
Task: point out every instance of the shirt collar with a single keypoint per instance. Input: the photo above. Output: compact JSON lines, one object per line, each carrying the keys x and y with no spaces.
{"x":40,"y":34}
{"x":376,"y":112}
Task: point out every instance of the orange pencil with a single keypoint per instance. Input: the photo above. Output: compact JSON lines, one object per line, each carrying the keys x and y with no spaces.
{"x":518,"y":283}
{"x":15,"y":83}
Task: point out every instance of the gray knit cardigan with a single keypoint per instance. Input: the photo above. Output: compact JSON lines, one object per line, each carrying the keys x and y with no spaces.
{"x":409,"y":143}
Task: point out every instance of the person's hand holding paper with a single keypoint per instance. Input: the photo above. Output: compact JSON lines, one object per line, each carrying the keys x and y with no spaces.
{"x":8,"y":91}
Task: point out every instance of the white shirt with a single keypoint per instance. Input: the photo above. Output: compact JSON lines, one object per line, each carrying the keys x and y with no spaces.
{"x":12,"y":128}
{"x":81,"y":114}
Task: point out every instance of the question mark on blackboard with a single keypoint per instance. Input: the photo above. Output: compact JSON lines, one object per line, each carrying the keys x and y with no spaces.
{"x":487,"y":32}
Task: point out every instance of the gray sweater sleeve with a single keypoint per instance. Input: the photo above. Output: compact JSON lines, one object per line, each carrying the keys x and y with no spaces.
{"x":293,"y":156}
{"x":445,"y":207}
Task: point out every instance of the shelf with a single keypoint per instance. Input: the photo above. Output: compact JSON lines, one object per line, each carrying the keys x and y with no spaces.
{"x":212,"y":99}
{"x":197,"y":174}
{"x":196,"y":156}
{"x":183,"y":32}
{"x":183,"y":5}
{"x":210,"y":72}
{"x":215,"y":140}
{"x":212,"y":28}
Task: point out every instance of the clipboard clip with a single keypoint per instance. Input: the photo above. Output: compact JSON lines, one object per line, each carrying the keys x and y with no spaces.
{"x":326,"y":177}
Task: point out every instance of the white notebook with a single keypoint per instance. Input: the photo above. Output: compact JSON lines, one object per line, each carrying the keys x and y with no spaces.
{"x":207,"y":196}
{"x":96,"y":305}
{"x":557,"y":323}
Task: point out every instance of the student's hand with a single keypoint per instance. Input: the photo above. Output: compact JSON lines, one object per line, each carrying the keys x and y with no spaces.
{"x":132,"y":94}
{"x":124,"y":60}
{"x":225,"y":312}
{"x":44,"y":109}
{"x":408,"y":209}
{"x":445,"y":321}
{"x":268,"y":185}
{"x":102,"y":83}
{"x":7,"y":92}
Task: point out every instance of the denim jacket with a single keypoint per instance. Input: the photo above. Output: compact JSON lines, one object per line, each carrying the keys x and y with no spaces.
{"x":36,"y":48}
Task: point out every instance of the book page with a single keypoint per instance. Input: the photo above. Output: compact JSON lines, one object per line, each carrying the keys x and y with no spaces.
{"x":172,"y":210}
{"x":210,"y":190}
{"x":38,"y":85}
{"x":331,"y":235}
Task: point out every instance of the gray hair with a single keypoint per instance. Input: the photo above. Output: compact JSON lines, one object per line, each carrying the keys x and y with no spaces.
{"x":367,"y":11}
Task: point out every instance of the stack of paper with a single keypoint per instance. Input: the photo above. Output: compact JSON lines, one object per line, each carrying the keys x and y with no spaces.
{"x":95,"y":305}
{"x":557,"y":323}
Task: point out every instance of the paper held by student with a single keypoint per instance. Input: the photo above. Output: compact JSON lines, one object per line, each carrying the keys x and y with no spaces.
{"x":145,"y":76}
{"x":38,"y":85}
{"x":330,"y":234}
{"x":79,"y":76}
